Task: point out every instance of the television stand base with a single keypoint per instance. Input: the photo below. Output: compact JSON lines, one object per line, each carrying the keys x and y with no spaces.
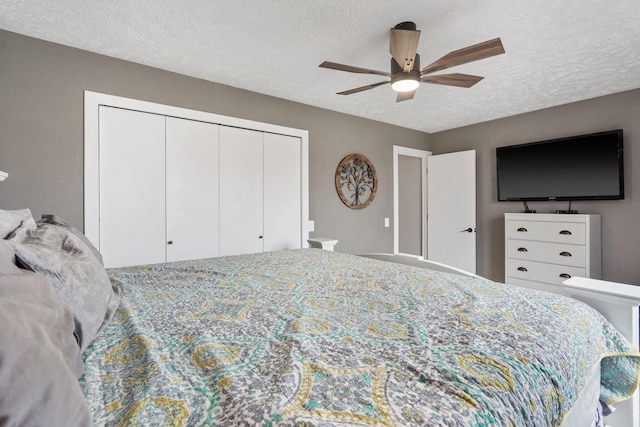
{"x":526,"y":208}
{"x":567,"y":211}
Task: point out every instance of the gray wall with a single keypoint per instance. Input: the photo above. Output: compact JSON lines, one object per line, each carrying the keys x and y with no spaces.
{"x":620,"y":218}
{"x":410,"y":205}
{"x":41,"y":146}
{"x":41,"y":134}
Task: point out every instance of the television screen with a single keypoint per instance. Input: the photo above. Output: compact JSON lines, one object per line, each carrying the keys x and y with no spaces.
{"x":585,"y":167}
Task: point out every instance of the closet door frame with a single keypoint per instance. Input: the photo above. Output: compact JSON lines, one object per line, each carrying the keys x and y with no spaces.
{"x":92,"y":102}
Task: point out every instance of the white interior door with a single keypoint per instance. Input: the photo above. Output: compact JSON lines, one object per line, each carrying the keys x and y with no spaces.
{"x":282,"y":192}
{"x":241,"y":191}
{"x":192,"y":189}
{"x":452,"y":209}
{"x":132,"y":187}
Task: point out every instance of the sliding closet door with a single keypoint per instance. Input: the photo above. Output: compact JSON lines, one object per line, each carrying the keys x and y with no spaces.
{"x":192,"y":189}
{"x":241,"y":205}
{"x":132,"y":189}
{"x":282,"y":192}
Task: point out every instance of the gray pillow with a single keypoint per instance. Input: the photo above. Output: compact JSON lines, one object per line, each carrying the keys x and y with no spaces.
{"x":7,"y":259}
{"x":79,"y":280}
{"x":40,"y":360}
{"x":16,"y":223}
{"x":56,"y":220}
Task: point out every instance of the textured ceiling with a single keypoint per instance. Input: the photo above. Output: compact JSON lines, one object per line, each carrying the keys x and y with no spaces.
{"x":556,"y":51}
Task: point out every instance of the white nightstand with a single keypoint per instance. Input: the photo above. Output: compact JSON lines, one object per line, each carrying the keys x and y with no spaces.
{"x":322,"y":243}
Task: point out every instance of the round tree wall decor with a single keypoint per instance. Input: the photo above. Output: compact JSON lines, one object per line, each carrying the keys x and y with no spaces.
{"x":356,"y":181}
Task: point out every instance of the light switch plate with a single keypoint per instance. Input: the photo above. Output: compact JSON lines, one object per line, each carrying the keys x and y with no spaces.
{"x":312,"y":225}
{"x":386,"y":222}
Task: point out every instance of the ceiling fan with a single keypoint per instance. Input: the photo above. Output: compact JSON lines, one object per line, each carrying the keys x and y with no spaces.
{"x":406,"y":76}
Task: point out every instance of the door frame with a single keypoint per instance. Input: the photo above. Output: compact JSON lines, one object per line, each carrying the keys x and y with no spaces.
{"x":92,"y":102}
{"x":423,"y":155}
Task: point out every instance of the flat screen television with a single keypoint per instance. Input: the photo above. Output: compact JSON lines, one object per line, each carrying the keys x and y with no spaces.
{"x":585,"y":167}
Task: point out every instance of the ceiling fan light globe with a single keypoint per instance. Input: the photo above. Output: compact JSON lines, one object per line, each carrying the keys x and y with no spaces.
{"x":405,"y":85}
{"x":405,"y":82}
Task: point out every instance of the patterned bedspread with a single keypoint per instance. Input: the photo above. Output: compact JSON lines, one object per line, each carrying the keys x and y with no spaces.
{"x":317,"y":338}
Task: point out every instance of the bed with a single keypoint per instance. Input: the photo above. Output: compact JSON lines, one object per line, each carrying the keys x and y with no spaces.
{"x":317,"y":338}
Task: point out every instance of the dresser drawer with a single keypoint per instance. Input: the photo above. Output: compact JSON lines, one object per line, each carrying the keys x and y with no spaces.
{"x":554,"y":232}
{"x":555,"y":253}
{"x":541,"y":272}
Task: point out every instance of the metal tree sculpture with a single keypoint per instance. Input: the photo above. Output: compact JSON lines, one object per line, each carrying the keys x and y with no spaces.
{"x":356,"y":181}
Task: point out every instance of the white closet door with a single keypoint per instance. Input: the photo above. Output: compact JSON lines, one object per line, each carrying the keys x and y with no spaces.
{"x":192,"y":189}
{"x":282,"y":192}
{"x":241,"y":208}
{"x":132,"y":189}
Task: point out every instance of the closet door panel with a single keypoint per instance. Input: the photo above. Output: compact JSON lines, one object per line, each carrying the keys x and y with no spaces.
{"x":192,"y":189}
{"x":282,"y":192}
{"x":241,"y":208}
{"x":132,"y":190}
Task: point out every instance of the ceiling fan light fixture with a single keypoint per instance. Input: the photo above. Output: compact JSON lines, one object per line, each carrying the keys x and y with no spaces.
{"x":405,"y":82}
{"x":406,"y":74}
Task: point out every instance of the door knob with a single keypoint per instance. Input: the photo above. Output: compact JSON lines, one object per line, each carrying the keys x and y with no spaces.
{"x":468,"y":230}
{"x":170,"y":242}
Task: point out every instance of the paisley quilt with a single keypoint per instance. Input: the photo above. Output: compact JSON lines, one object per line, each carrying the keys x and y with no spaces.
{"x":311,"y":338}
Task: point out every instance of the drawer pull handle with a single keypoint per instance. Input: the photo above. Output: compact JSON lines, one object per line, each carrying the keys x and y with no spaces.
{"x":522,"y":269}
{"x":522,"y":230}
{"x":565,"y":232}
{"x":565,"y":276}
{"x":565,"y":253}
{"x":522,"y":250}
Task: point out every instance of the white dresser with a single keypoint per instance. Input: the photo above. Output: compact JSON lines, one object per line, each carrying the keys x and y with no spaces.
{"x":543,"y":250}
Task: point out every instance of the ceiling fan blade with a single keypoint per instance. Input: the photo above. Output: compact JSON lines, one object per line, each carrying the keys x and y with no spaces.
{"x":352,"y":69}
{"x":455,"y":79}
{"x":404,"y":96}
{"x":402,"y":46}
{"x":466,"y":55}
{"x":360,"y":89}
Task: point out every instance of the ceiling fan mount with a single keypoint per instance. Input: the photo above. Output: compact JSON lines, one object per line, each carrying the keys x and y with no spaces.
{"x":405,"y":74}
